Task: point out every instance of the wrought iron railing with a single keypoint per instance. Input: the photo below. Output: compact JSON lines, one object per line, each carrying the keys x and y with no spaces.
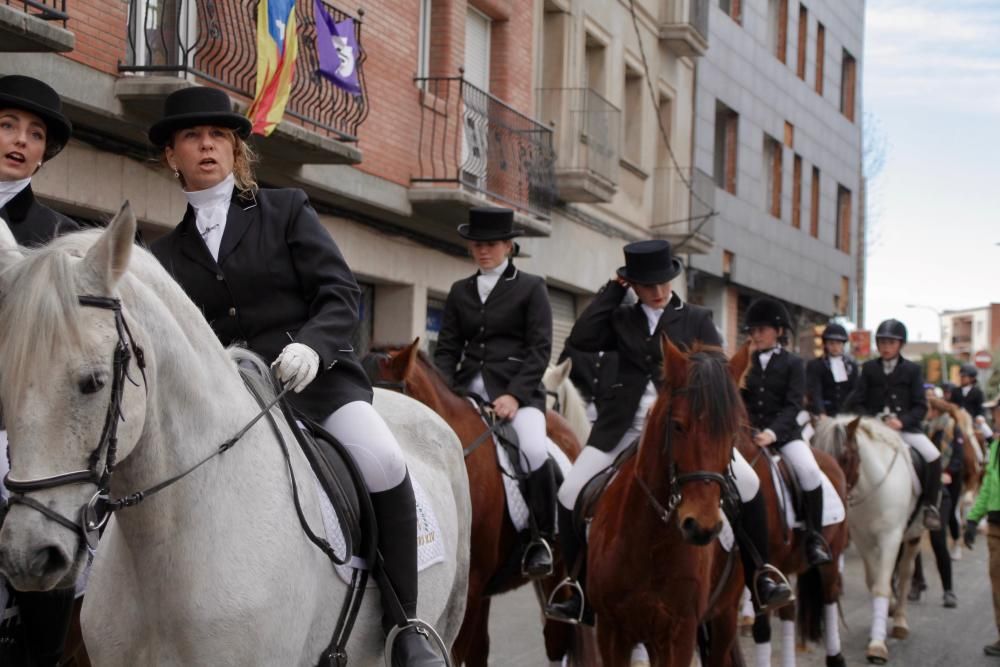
{"x":685,"y":202}
{"x":587,"y":131}
{"x":469,"y":137}
{"x":216,"y":41}
{"x":47,"y":10}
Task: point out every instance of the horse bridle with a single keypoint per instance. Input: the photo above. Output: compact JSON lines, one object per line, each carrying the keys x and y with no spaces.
{"x":675,"y":488}
{"x":556,"y":404}
{"x":94,"y":514}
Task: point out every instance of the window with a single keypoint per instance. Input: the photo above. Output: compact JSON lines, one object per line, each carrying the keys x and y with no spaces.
{"x":595,"y":59}
{"x":435,"y":315}
{"x":666,"y":120}
{"x":477,"y":49}
{"x":726,"y":125}
{"x":797,"y":192}
{"x":632,"y":108}
{"x":733,"y":9}
{"x":820,"y":56}
{"x":563,"y":316}
{"x":843,"y":219}
{"x":552,"y":64}
{"x":424,"y":40}
{"x":777,"y":12}
{"x":848,"y":73}
{"x":772,"y":175}
{"x":814,"y":205}
{"x":800,"y":67}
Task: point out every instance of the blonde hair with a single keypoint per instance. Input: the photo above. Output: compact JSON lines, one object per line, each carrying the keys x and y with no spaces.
{"x":244,"y":158}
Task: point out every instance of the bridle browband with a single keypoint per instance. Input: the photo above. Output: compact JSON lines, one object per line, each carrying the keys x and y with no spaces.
{"x":677,"y":480}
{"x":93,"y":515}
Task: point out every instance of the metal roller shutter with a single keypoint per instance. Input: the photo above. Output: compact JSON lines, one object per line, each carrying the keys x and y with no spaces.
{"x":563,"y":317}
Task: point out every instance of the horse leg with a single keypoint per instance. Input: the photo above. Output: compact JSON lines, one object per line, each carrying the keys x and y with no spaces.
{"x":762,"y":640}
{"x":614,"y":651}
{"x":722,"y":640}
{"x":831,"y":614}
{"x":900,"y":627}
{"x":880,"y":560}
{"x":787,"y":616}
{"x":472,"y":646}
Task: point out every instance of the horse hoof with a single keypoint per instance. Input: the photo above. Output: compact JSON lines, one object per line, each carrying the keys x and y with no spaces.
{"x":877,"y":653}
{"x":900,"y":632}
{"x":836,"y":660}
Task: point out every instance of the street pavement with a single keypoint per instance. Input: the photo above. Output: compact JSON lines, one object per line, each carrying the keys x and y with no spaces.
{"x":939,"y":637}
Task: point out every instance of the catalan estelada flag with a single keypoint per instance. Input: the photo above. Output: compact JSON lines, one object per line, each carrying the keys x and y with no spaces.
{"x":277,"y":47}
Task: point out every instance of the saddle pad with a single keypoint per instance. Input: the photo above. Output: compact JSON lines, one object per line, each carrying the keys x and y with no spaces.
{"x":833,"y":506}
{"x":430,"y":546}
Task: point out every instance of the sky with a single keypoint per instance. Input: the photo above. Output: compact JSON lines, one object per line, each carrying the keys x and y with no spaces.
{"x":931,"y":85}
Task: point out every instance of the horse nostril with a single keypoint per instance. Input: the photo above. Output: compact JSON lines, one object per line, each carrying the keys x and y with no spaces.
{"x":689,"y":526}
{"x":47,"y":560}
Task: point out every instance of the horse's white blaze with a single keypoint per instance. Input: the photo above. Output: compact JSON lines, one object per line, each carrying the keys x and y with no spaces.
{"x":215,"y":569}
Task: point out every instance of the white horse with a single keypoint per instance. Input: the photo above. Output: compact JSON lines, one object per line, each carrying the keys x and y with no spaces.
{"x":565,"y":398}
{"x":215,"y":569}
{"x":881,"y":503}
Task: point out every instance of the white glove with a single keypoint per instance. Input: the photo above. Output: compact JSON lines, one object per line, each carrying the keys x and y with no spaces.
{"x":297,"y":366}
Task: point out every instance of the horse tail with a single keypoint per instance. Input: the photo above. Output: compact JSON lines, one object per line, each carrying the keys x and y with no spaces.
{"x":810,"y":605}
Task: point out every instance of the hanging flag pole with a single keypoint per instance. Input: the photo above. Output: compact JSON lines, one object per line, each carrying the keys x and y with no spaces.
{"x":337,"y":50}
{"x":277,"y":49}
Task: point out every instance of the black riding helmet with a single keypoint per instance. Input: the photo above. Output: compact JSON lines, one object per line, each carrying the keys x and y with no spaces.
{"x":767,"y":312}
{"x":969,"y":370}
{"x":893,"y":329}
{"x":834,"y":331}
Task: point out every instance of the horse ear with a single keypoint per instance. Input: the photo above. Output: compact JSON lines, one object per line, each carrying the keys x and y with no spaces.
{"x":739,"y":364}
{"x":674,"y":362}
{"x":10,"y":252}
{"x":402,"y":362}
{"x":107,"y":260}
{"x":563,"y":370}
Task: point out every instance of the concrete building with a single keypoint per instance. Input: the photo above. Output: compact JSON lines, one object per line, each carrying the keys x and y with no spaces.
{"x":965,"y":332}
{"x":778,"y":126}
{"x":465,"y":102}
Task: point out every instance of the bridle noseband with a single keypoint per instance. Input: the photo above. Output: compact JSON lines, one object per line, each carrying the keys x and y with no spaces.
{"x":95,"y":513}
{"x":675,"y":487}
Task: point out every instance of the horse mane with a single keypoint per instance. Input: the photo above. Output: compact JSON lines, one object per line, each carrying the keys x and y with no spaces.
{"x":421,"y":356}
{"x":255,"y":371}
{"x":712,"y":393}
{"x":831,"y":434}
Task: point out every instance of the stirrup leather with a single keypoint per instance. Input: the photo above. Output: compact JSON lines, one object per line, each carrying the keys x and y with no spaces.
{"x":780,"y":577}
{"x":574,"y":586}
{"x":424,"y":628}
{"x":539,"y":543}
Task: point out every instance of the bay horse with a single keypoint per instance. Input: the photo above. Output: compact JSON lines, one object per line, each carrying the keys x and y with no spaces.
{"x":494,"y":537}
{"x":882,"y":506}
{"x":652,"y":548}
{"x":818,"y":589}
{"x":109,"y":367}
{"x":565,"y":398}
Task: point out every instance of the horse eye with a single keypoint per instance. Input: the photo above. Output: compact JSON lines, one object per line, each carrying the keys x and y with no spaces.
{"x":679,"y":427}
{"x":91,"y":384}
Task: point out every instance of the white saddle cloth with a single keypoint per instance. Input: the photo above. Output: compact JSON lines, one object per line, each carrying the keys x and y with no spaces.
{"x":833,"y":507}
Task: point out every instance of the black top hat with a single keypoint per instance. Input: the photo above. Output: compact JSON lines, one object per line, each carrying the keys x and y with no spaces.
{"x":767,"y":312}
{"x":650,"y":263}
{"x":28,"y":94}
{"x":198,"y":105}
{"x":489,"y":223}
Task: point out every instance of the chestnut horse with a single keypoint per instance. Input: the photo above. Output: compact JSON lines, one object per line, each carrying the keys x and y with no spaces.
{"x":818,"y":589}
{"x":653,"y":551}
{"x":494,"y":537}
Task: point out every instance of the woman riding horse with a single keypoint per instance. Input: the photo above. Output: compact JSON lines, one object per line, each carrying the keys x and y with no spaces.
{"x":830,"y":378}
{"x":33,"y":130}
{"x":495,"y":342}
{"x":773,"y":396}
{"x":268,"y":276}
{"x":634,"y":331}
{"x":892,"y":388}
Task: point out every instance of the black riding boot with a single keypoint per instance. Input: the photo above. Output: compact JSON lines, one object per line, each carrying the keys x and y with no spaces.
{"x":542,"y":501}
{"x":396,"y":514}
{"x":932,"y":495}
{"x":574,"y":552}
{"x":767,"y":593}
{"x":817,"y":550}
{"x":46,"y":618}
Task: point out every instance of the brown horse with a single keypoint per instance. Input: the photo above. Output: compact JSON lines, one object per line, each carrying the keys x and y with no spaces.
{"x":495,"y":543}
{"x":652,"y":547}
{"x":819,"y":588}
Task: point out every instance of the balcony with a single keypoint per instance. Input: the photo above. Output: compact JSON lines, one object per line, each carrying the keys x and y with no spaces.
{"x":34,"y":25}
{"x":173,"y":44}
{"x":587,"y":131}
{"x":682,"y":215}
{"x":474,"y":149}
{"x":684,"y":26}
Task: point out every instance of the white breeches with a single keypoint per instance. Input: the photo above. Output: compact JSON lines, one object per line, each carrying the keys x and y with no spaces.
{"x":745,"y":477}
{"x":590,"y":462}
{"x":528,"y":423}
{"x":798,"y":455}
{"x":922,"y":444}
{"x":371,"y":444}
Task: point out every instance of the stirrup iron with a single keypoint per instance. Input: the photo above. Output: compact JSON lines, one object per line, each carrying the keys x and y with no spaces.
{"x":539,"y":543}
{"x":575,"y":586}
{"x":424,"y":628}
{"x":767,"y":568}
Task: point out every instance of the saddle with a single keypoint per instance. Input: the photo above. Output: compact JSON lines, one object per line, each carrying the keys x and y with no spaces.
{"x":592,"y":491}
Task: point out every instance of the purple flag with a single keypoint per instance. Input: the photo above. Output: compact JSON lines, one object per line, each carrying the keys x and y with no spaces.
{"x":338,"y":50}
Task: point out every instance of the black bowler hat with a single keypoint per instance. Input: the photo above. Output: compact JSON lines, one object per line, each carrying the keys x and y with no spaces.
{"x":28,"y":94}
{"x":489,"y":223}
{"x":650,"y":263}
{"x":767,"y":312}
{"x":198,"y":105}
